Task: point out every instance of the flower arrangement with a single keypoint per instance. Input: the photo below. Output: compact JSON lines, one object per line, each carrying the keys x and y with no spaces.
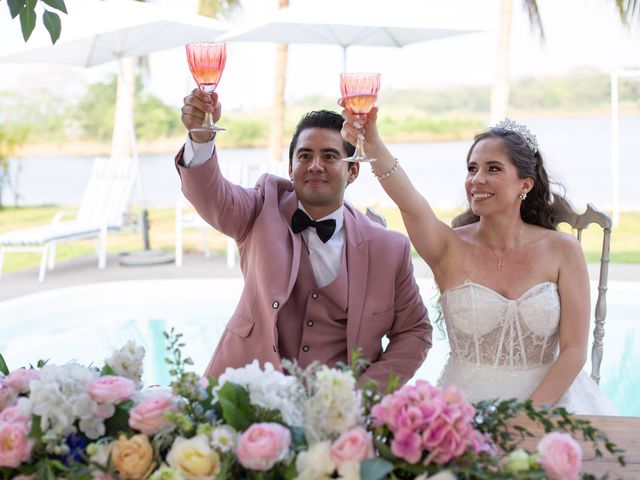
{"x":84,"y":423}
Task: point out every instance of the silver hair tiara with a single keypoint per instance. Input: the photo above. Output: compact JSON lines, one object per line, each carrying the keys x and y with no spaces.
{"x":522,"y":130}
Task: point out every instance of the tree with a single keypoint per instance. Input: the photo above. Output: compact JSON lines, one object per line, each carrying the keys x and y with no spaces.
{"x":10,"y":139}
{"x":277,"y":120}
{"x":629,"y":11}
{"x":26,"y":9}
{"x":501,"y":85}
{"x":216,"y":8}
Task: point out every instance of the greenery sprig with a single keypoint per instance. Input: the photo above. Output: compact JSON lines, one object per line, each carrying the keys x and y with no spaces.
{"x":494,"y":418}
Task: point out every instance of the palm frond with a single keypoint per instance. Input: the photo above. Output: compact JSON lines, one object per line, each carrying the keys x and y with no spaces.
{"x":629,"y":11}
{"x":217,"y":8}
{"x":531,"y":6}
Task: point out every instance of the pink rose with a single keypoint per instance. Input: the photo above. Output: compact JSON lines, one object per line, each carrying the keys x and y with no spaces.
{"x":355,"y":445}
{"x":19,"y":379}
{"x":7,"y":396}
{"x":13,"y":414}
{"x":262,"y":445}
{"x":148,"y":416}
{"x":560,"y":456}
{"x":111,"y":389}
{"x":15,"y":446}
{"x":24,"y":477}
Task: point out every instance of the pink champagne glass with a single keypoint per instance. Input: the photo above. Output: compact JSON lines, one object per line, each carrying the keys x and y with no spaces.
{"x":206,"y":62}
{"x":359,"y":94}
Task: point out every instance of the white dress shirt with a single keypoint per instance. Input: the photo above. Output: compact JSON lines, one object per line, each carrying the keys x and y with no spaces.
{"x":325,"y":257}
{"x":197,"y":153}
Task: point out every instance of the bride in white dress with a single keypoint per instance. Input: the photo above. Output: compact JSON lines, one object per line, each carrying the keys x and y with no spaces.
{"x":515,"y":292}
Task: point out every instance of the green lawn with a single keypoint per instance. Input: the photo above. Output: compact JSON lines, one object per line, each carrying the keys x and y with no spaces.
{"x":625,"y":243}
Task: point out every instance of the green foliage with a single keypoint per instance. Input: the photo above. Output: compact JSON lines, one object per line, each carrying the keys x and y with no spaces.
{"x":243,"y":132}
{"x":156,"y":119}
{"x":236,"y":406}
{"x":216,"y":8}
{"x":26,"y":9}
{"x":94,"y":114}
{"x":583,"y":89}
{"x":53,"y":24}
{"x":11,"y":137}
{"x":629,"y":11}
{"x":119,"y":422}
{"x":375,"y":468}
{"x":494,"y":418}
{"x":95,"y":111}
{"x":4,"y":369}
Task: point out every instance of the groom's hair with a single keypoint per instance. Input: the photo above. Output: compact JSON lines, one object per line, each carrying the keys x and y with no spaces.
{"x":319,"y":119}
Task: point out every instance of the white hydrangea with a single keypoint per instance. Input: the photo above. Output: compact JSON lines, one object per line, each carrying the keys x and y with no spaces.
{"x":224,"y":438}
{"x":334,"y":407}
{"x":269,"y":389}
{"x":127,"y":362}
{"x":60,"y":398}
{"x":315,"y":463}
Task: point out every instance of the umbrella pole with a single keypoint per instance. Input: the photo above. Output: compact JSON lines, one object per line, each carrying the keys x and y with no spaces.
{"x":344,"y":59}
{"x":147,"y":256}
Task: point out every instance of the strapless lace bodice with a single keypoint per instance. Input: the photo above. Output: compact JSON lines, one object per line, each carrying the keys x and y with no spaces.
{"x":502,"y":348}
{"x":485,"y":328}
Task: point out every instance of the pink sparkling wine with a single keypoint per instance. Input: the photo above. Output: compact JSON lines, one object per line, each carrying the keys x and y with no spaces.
{"x":360,"y":103}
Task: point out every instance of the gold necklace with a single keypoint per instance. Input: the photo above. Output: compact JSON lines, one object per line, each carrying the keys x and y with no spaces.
{"x":500,"y":257}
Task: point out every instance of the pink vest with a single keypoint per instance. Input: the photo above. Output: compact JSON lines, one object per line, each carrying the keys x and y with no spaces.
{"x":312,"y":325}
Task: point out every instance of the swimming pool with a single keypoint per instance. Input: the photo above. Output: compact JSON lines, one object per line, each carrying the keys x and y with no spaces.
{"x":86,"y":323}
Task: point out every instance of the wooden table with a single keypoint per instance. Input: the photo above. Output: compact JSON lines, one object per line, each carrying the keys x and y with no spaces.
{"x":623,"y":431}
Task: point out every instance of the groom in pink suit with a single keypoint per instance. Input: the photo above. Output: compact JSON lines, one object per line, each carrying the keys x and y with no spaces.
{"x":321,"y":279}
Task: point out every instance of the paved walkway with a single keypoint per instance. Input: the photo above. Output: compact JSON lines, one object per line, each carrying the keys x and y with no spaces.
{"x":80,"y":271}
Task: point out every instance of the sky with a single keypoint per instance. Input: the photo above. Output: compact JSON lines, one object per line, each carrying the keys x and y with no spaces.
{"x":579,"y":33}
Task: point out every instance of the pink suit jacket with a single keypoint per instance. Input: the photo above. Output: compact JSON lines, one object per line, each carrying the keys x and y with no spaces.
{"x":383,"y":295}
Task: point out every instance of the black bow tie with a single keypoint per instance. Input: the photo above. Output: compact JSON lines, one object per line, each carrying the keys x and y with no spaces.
{"x":324,"y":228}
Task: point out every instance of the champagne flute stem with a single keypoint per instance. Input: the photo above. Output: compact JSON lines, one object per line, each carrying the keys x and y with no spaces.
{"x":208,"y":121}
{"x":359,"y":153}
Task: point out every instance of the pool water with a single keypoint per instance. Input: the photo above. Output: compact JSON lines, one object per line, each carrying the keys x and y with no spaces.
{"x":87,"y":323}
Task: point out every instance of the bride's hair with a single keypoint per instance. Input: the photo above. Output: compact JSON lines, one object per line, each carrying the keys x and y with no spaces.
{"x":538,"y":208}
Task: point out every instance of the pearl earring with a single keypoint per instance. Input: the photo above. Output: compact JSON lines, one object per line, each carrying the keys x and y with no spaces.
{"x":523,"y":195}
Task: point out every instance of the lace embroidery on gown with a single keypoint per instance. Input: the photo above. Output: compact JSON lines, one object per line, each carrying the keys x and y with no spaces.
{"x":502,"y":348}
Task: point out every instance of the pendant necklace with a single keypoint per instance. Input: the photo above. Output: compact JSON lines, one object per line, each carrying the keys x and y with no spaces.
{"x":500,"y":257}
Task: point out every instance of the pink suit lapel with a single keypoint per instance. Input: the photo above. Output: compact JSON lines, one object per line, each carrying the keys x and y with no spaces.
{"x":357,"y":251}
{"x":288,"y":205}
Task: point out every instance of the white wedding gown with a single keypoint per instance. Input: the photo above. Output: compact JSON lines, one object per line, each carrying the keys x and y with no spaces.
{"x":502,"y":348}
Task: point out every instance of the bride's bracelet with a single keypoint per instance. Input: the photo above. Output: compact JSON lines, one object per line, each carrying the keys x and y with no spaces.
{"x":390,"y":172}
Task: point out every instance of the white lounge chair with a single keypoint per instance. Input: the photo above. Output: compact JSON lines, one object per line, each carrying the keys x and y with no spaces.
{"x":187,"y":218}
{"x":103,"y":208}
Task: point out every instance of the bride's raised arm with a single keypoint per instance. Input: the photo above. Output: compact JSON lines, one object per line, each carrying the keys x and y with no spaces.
{"x":432,"y":238}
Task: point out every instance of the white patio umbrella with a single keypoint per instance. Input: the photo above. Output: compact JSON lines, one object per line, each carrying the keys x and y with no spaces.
{"x":96,"y":32}
{"x":351,"y":22}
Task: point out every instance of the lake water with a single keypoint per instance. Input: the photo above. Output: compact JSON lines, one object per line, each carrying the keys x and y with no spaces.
{"x":577,"y":152}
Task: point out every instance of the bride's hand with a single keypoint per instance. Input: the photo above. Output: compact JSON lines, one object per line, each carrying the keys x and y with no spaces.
{"x":352,"y":128}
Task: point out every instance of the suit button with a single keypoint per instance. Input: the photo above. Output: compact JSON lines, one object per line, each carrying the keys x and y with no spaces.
{"x":314,"y":295}
{"x":305,"y":348}
{"x":275,"y":304}
{"x":310,"y":323}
